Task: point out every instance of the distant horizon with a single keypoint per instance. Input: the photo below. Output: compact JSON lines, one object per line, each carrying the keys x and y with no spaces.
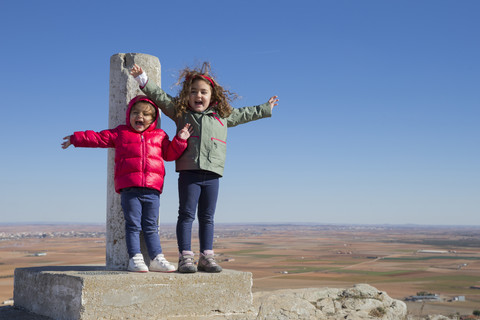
{"x":255,"y":224}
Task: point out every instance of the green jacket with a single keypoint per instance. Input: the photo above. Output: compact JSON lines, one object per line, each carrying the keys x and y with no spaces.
{"x":207,"y":146}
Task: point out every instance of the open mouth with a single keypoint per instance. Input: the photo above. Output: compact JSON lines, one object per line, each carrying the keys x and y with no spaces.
{"x":139,"y":123}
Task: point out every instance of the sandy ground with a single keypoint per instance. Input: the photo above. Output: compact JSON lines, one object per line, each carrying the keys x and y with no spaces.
{"x":282,"y":257}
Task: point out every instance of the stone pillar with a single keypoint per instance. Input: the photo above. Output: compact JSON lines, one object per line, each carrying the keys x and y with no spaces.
{"x":122,"y":89}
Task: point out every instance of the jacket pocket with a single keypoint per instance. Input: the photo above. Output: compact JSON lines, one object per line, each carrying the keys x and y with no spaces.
{"x":217,"y":152}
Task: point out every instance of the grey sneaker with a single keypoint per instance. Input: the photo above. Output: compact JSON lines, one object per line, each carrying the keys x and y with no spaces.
{"x":137,"y":264}
{"x":207,"y":262}
{"x":160,"y":264}
{"x":185,"y":262}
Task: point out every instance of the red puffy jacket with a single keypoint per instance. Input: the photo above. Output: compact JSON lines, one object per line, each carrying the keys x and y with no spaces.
{"x":138,"y":155}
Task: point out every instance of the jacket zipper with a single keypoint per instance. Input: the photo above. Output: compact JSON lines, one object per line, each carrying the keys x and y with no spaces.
{"x":143,"y":160}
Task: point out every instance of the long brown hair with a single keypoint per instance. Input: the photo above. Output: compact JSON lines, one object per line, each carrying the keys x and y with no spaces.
{"x":221,"y":97}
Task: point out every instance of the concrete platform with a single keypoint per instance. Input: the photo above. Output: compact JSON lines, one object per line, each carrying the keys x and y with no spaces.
{"x":91,"y":292}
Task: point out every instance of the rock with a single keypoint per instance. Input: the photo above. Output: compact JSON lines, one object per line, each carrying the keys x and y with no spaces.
{"x":362,"y":301}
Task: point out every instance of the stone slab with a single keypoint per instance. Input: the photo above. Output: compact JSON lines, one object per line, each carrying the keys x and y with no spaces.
{"x":92,"y":292}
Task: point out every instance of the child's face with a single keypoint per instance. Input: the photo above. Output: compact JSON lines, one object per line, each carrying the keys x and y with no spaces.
{"x":141,"y":116}
{"x":200,"y":95}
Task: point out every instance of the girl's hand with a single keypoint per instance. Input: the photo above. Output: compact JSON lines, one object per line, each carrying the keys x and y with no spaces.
{"x":185,"y":133}
{"x":66,"y":143}
{"x":273,"y":101}
{"x":136,"y":71}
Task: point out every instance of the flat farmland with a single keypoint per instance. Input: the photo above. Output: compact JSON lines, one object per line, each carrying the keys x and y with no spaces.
{"x":400,"y":260}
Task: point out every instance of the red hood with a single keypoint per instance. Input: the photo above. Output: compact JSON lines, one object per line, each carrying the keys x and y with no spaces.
{"x":135,"y":100}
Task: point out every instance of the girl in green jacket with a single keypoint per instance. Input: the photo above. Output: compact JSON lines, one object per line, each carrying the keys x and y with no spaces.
{"x":205,"y":105}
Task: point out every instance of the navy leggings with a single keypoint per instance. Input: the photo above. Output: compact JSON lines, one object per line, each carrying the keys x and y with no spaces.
{"x":196,"y":189}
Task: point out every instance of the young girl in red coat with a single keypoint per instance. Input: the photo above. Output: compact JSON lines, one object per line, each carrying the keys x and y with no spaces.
{"x":140,"y":149}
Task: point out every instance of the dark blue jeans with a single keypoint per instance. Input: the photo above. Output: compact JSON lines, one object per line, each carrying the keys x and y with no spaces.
{"x":196,"y":189}
{"x":141,"y":209}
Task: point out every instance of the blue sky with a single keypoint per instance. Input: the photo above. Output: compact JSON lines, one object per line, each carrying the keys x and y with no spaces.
{"x":378,"y":120}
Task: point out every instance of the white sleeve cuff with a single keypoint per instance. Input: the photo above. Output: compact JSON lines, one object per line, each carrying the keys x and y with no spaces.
{"x":142,"y":79}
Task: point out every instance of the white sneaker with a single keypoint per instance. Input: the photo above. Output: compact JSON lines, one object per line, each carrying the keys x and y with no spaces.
{"x":136,"y":264}
{"x":160,"y":264}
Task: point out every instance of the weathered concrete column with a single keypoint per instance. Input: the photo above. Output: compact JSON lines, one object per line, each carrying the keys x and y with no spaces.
{"x":122,"y":89}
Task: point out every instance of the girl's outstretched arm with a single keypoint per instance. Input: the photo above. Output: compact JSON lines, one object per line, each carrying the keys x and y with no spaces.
{"x":66,"y":143}
{"x":273,"y":101}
